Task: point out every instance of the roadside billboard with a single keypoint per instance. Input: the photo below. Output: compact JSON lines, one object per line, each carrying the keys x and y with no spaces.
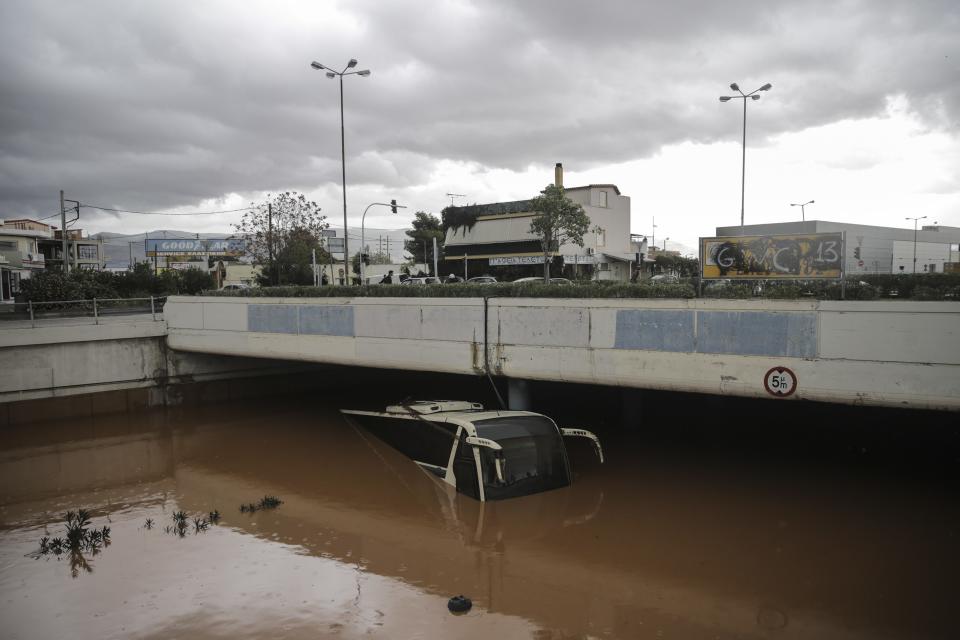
{"x":809,"y":255}
{"x":194,"y":247}
{"x":335,"y":245}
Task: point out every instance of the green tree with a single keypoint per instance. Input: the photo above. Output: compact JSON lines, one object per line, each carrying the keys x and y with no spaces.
{"x":560,"y":221}
{"x":379,"y":257}
{"x":280,"y":234}
{"x":294,"y":262}
{"x":426,"y":227}
{"x":193,"y":281}
{"x":683,"y":267}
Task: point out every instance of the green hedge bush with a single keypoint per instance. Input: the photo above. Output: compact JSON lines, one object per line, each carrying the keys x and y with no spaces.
{"x":83,"y":284}
{"x":920,"y":287}
{"x":502,"y":290}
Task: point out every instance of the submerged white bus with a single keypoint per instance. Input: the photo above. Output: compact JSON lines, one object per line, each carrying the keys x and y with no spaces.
{"x":487,"y":455}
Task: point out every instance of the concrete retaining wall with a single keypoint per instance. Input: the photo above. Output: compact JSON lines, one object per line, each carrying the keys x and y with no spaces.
{"x":76,"y":370}
{"x":882,"y":353}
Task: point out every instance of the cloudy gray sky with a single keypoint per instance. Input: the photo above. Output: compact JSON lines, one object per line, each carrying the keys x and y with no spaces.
{"x":193,"y":106}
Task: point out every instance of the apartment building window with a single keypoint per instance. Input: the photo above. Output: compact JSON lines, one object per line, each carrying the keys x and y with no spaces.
{"x":87,"y":252}
{"x":603,"y":198}
{"x":601,"y":237}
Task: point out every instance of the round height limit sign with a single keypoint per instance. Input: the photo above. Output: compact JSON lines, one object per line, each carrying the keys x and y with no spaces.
{"x":780,"y":382}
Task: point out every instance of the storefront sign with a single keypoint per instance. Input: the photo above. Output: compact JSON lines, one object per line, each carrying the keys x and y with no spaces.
{"x":568,"y":260}
{"x":513,"y":260}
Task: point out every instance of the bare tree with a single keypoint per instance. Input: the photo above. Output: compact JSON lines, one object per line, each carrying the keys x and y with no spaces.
{"x":277,"y":230}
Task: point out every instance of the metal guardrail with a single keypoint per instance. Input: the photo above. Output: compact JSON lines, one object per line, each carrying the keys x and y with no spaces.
{"x":95,"y":308}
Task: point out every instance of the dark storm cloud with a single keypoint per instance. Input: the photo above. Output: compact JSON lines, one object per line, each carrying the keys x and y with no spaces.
{"x":153,"y":105}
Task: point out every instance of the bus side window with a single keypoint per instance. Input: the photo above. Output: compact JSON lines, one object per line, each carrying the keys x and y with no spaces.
{"x":465,"y":469}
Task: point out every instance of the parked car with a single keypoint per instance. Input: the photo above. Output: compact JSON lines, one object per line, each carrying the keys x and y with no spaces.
{"x":714,"y":285}
{"x":424,"y":280}
{"x":235,"y":287}
{"x":482,"y":280}
{"x":540,"y":281}
{"x":665,"y":278}
{"x":396,"y":279}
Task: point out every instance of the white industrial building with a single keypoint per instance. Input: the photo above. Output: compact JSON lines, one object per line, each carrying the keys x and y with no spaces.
{"x":871,"y":249}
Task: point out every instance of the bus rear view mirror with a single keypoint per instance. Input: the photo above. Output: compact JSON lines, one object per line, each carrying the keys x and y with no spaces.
{"x":497,"y":452}
{"x":583,"y":433}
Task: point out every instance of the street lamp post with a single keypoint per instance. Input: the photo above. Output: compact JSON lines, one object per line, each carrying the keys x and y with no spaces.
{"x":743,"y":174}
{"x":803,"y":213}
{"x":915,"y":240}
{"x":393,"y":206}
{"x":343,"y":153}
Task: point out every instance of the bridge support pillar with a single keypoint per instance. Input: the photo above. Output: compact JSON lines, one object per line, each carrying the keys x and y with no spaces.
{"x":518,"y":395}
{"x":631,"y":408}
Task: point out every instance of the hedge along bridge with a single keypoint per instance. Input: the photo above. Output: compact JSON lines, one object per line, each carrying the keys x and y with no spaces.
{"x":892,"y":353}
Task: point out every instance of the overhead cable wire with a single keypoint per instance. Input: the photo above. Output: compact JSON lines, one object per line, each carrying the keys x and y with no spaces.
{"x":164,"y":213}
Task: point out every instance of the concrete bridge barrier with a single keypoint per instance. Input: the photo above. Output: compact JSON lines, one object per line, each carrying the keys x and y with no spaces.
{"x":893,"y":353}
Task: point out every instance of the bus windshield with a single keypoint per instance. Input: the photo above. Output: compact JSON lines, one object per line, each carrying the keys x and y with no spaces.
{"x":533,"y":457}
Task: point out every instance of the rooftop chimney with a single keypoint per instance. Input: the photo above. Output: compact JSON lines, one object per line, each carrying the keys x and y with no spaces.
{"x":558,"y":175}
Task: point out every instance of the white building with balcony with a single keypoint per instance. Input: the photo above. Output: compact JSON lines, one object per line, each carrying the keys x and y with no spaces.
{"x":20,"y":254}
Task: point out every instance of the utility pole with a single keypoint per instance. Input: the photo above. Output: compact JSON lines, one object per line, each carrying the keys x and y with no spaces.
{"x":915,"y":240}
{"x":436,"y":273}
{"x":146,"y":238}
{"x":330,"y":262}
{"x":426,"y":264}
{"x":270,"y":237}
{"x":63,"y":234}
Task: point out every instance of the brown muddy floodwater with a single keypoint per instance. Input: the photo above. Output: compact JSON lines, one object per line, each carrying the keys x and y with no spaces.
{"x":654,"y":544}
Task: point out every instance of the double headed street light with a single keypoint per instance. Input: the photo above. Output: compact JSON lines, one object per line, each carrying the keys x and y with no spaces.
{"x":753,"y":95}
{"x":915,"y":240}
{"x":343,"y":154}
{"x":803,"y":214}
{"x":393,"y":207}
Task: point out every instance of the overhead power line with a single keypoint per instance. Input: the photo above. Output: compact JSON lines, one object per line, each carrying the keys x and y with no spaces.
{"x":164,"y":213}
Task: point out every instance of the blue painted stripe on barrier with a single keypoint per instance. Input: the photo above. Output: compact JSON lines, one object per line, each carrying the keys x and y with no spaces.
{"x":326,"y":320}
{"x":272,"y":318}
{"x":757,"y":333}
{"x":655,"y":330}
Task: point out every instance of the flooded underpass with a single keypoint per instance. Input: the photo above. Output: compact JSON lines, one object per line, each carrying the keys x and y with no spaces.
{"x":709,"y":519}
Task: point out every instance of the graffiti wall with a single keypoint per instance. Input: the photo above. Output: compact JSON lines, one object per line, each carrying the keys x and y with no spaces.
{"x":815,"y":255}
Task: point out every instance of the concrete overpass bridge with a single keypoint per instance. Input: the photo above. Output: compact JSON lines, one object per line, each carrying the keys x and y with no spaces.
{"x":884,"y":353}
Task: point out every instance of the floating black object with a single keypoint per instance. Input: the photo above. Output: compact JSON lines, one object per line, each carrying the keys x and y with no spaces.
{"x":459,"y":604}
